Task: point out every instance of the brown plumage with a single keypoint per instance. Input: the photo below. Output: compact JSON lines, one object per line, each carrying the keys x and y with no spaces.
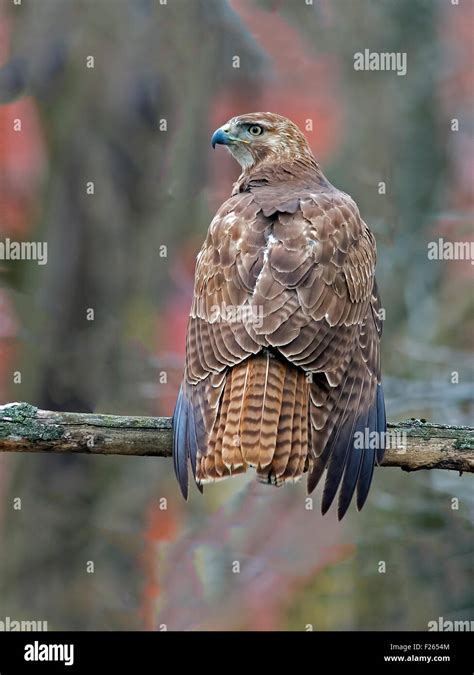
{"x":282,"y":354}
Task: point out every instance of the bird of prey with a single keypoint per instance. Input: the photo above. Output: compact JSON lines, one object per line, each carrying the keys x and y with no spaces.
{"x":282,"y":367}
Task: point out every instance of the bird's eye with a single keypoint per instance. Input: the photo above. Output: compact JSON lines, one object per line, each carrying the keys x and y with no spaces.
{"x":255,"y":130}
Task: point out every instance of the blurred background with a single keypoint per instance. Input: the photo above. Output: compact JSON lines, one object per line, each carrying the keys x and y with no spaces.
{"x":112,"y":167}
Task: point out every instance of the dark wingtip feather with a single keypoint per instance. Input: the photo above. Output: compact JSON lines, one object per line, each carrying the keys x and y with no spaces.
{"x":381,"y":422}
{"x":367,"y":465}
{"x":191,"y":439}
{"x":193,"y":445}
{"x":324,"y":509}
{"x":340,"y":446}
{"x":180,"y":452}
{"x":349,"y":481}
{"x":365,"y":480}
{"x":353,"y":467}
{"x":314,"y":476}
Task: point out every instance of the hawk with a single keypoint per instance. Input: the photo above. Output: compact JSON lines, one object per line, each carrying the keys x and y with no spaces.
{"x":282,"y":367}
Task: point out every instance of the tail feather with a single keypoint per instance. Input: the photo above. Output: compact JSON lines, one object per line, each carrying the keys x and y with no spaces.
{"x":231,"y":446}
{"x":251,"y":419}
{"x":211,"y":463}
{"x":296,"y":450}
{"x":271,"y":409}
{"x":285,"y":424}
{"x":304,"y":427}
{"x":261,"y":422}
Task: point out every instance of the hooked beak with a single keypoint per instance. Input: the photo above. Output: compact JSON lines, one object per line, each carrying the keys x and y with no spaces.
{"x":222,"y":136}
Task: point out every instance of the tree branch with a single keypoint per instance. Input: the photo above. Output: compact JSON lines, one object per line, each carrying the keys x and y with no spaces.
{"x":24,"y":428}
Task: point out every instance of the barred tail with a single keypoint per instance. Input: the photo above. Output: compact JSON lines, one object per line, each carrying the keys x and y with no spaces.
{"x":262,"y":422}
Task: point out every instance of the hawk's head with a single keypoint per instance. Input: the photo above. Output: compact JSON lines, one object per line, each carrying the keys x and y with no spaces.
{"x":255,"y":138}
